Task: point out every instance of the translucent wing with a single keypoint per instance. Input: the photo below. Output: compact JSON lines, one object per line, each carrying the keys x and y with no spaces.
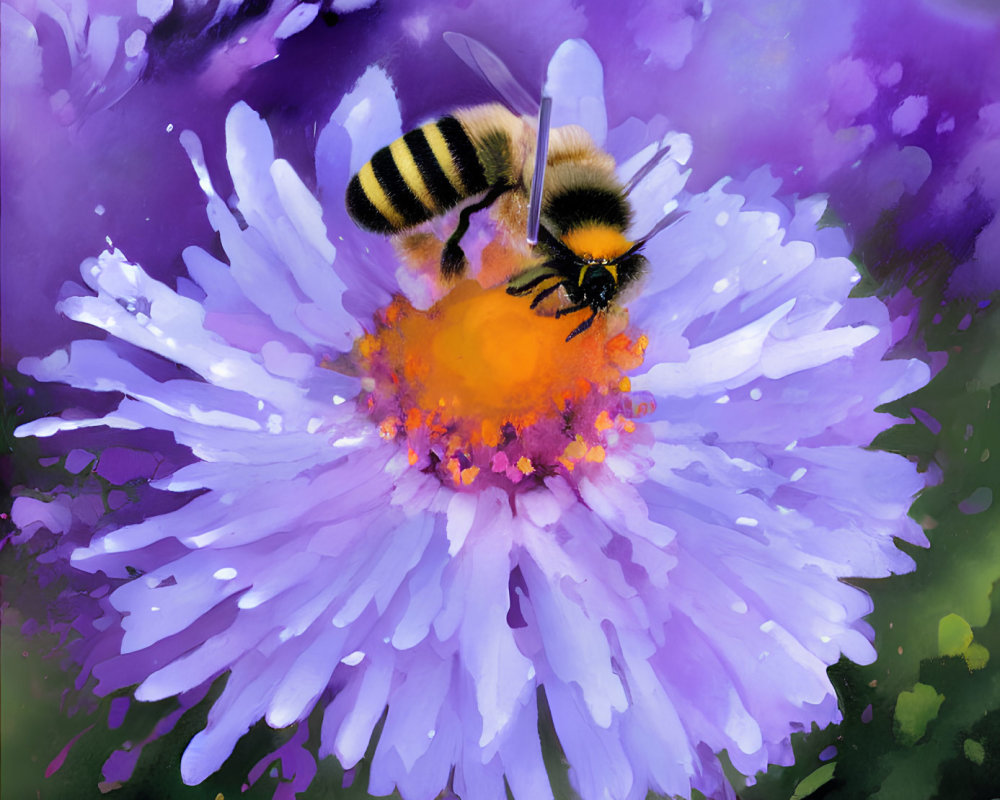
{"x":574,"y":80}
{"x":492,"y":69}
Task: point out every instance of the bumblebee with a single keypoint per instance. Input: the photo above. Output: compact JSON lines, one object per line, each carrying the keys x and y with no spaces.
{"x":487,"y":149}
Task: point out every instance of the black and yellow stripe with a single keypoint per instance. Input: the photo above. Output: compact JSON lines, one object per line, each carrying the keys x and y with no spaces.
{"x":585,"y":206}
{"x":419,"y":176}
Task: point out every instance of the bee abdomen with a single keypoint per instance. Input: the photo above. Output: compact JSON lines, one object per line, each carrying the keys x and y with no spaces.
{"x":417,"y":177}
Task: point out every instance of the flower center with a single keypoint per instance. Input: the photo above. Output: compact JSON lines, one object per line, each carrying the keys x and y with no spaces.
{"x":483,"y":385}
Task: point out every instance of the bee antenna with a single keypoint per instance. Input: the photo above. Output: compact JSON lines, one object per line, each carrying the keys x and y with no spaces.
{"x":646,"y":168}
{"x":659,"y":227}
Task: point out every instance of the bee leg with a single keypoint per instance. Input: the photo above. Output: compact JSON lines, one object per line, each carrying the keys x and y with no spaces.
{"x":545,"y":293}
{"x":583,"y":325}
{"x":517,"y":291}
{"x":452,"y":258}
{"x":562,"y":312}
{"x":453,"y":261}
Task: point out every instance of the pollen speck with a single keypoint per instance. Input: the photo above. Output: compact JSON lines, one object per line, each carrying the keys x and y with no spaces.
{"x":524,"y":464}
{"x":368,"y":345}
{"x":603,"y":422}
{"x":469,"y":475}
{"x":576,"y":449}
{"x":411,"y":456}
{"x":388,"y":427}
{"x":596,"y":453}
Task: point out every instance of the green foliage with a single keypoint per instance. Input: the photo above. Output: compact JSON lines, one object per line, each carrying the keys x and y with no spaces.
{"x":976,"y":656}
{"x":914,"y":710}
{"x":933,"y":729}
{"x":974,"y":751}
{"x":954,"y":635}
{"x":812,"y":782}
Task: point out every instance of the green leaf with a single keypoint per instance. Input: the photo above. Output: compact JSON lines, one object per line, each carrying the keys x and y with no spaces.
{"x":976,"y":656}
{"x":974,"y":751}
{"x":914,"y":710}
{"x":813,"y":781}
{"x":954,"y":635}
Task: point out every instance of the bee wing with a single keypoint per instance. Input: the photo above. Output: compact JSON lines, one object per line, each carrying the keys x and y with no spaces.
{"x":575,"y":82}
{"x":492,"y":69}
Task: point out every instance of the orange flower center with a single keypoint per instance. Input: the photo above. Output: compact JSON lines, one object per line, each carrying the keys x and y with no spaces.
{"x":486,"y":358}
{"x":483,"y":382}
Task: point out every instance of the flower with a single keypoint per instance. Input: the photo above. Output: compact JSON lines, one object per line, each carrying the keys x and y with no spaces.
{"x":655,"y":537}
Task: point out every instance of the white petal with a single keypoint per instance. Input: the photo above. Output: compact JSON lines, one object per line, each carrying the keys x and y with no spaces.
{"x":370,"y":114}
{"x":575,"y":82}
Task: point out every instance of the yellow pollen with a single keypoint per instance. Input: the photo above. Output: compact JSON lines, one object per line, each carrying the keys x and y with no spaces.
{"x":490,"y":434}
{"x":597,"y":242}
{"x":576,"y":449}
{"x":368,"y":345}
{"x":388,"y":427}
{"x":480,"y":380}
{"x":487,"y":358}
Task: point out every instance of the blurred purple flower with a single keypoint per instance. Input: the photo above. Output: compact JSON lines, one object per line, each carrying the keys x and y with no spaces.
{"x":78,"y":57}
{"x":810,"y":89}
{"x":677,"y":595}
{"x":81,"y":57}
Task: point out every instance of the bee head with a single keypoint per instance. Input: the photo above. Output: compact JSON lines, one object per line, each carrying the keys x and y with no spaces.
{"x":600,"y":280}
{"x":597,"y":284}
